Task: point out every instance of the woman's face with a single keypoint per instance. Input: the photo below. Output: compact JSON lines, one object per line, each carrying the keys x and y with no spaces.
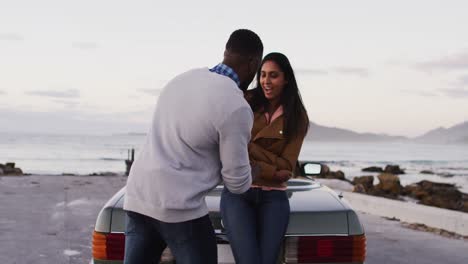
{"x":272,"y":80}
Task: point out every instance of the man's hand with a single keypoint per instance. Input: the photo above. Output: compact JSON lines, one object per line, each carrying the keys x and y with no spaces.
{"x":255,"y":170}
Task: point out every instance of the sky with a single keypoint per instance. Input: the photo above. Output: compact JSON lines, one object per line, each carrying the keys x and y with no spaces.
{"x":97,"y":66}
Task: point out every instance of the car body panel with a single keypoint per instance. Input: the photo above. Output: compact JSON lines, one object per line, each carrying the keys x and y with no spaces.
{"x":315,"y":209}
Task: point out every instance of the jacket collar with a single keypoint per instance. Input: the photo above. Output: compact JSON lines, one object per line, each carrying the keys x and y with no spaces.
{"x":272,"y":130}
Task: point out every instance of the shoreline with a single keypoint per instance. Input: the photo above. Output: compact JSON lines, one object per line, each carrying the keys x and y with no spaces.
{"x":409,"y":212}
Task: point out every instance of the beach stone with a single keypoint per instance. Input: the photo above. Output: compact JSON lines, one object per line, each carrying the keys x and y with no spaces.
{"x":426,"y":172}
{"x":17,"y":171}
{"x":441,"y":195}
{"x":325,"y":169}
{"x":367,"y":182}
{"x":373,"y":169}
{"x":393,"y":169}
{"x":388,"y":187}
{"x":359,"y":188}
{"x":333,"y":175}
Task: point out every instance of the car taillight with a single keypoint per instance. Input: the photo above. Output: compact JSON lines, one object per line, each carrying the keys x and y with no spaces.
{"x":108,"y":246}
{"x":325,"y":249}
{"x":111,"y":246}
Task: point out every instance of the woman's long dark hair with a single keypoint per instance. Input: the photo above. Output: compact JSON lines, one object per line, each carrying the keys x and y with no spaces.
{"x":295,"y":115}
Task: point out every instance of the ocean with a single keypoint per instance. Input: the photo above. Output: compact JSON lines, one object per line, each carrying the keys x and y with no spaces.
{"x":86,"y":154}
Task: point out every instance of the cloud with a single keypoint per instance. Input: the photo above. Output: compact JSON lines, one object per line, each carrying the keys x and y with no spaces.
{"x":70,"y":93}
{"x":84,"y":45}
{"x":456,"y":92}
{"x":69,"y":104}
{"x":420,"y":93}
{"x":463,"y":81}
{"x":11,"y":37}
{"x":453,"y":62}
{"x":310,"y":72}
{"x":362,"y":72}
{"x":150,"y":91}
{"x":70,"y":121}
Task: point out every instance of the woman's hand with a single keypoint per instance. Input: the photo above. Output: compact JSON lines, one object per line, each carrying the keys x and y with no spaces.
{"x":282,"y":175}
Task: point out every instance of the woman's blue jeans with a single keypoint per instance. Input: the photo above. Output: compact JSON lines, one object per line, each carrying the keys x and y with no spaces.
{"x":255,"y":222}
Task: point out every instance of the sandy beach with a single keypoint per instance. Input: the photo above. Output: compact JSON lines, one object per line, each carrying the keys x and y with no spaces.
{"x":49,"y":219}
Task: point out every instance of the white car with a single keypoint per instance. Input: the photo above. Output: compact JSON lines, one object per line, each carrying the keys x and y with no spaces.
{"x":323,"y":228}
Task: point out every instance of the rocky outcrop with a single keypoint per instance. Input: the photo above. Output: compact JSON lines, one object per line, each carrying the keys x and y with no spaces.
{"x":367,"y":182}
{"x":373,"y":169}
{"x":326,"y":173}
{"x":389,"y":186}
{"x":9,"y":169}
{"x":393,"y":169}
{"x":441,"y":195}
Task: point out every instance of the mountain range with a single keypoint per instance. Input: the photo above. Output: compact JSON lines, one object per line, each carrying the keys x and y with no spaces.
{"x":457,"y":134}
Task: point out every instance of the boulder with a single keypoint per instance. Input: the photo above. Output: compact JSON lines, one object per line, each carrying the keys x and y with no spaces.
{"x":426,"y":172}
{"x":324,"y":170}
{"x":359,"y":188}
{"x":335,"y":175}
{"x":373,"y":169}
{"x":393,"y":169}
{"x":17,"y":171}
{"x":367,"y":182}
{"x":9,"y":169}
{"x":388,"y":187}
{"x":441,"y":195}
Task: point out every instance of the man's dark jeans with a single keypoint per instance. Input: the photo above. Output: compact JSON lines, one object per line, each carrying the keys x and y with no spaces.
{"x":191,"y":242}
{"x":255,"y":223}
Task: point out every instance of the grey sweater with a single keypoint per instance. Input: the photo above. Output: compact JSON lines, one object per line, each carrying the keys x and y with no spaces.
{"x":199,"y":135}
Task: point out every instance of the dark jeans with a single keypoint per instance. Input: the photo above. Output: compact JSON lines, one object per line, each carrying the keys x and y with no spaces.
{"x":191,"y":242}
{"x":255,"y":222}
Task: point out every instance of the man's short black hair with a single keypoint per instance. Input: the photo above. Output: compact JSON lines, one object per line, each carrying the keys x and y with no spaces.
{"x":244,"y":42}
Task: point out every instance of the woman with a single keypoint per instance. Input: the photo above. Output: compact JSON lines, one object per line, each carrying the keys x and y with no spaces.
{"x":256,"y":220}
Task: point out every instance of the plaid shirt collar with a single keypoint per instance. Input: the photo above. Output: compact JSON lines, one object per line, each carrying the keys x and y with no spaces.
{"x":225,"y":70}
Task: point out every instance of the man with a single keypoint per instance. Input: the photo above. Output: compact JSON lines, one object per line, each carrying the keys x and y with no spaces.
{"x":199,"y":136}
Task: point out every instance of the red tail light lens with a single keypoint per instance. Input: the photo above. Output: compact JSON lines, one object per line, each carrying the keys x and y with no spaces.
{"x":111,"y":246}
{"x":325,"y":249}
{"x":108,"y":246}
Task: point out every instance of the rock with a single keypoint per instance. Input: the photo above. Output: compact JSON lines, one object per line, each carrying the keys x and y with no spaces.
{"x":326,"y":173}
{"x":17,"y":171}
{"x":9,"y":169}
{"x":373,"y":169}
{"x":426,"y":172}
{"x":393,"y":169}
{"x":445,"y":174}
{"x":359,"y":188}
{"x":335,"y":175}
{"x":367,"y":182}
{"x":325,"y":169}
{"x":441,"y":195}
{"x":389,"y":183}
{"x":388,"y":187}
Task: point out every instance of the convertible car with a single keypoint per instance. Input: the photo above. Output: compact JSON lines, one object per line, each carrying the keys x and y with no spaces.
{"x":323,"y":228}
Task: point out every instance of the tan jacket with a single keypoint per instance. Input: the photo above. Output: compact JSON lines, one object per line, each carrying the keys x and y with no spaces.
{"x":268,"y":148}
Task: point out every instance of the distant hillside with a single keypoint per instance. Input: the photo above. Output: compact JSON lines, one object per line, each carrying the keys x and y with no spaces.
{"x":323,"y":133}
{"x":441,"y":135}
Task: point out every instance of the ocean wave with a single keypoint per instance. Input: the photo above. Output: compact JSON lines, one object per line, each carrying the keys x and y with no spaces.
{"x":111,"y":159}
